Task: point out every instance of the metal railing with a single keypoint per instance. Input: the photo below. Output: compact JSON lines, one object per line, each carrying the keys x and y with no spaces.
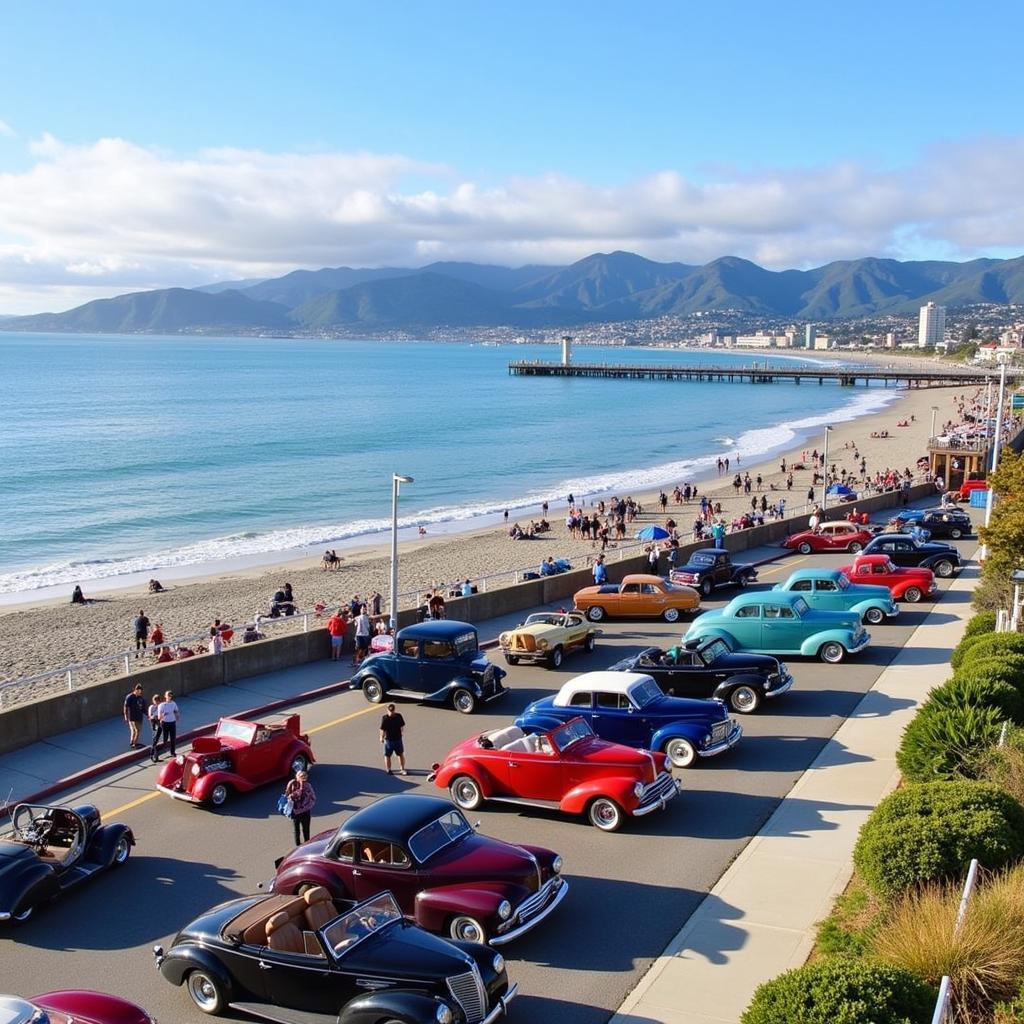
{"x":943,"y":1000}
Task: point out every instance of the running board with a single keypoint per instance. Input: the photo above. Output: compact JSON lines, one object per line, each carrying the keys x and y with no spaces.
{"x":282,"y":1015}
{"x":544,"y":805}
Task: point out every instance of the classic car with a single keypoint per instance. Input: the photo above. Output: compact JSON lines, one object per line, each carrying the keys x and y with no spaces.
{"x":970,"y":486}
{"x":639,"y":595}
{"x":837,"y":536}
{"x":772,"y":622}
{"x":436,"y":662}
{"x":547,"y":636}
{"x":76,"y":1006}
{"x":311,"y":959}
{"x":942,"y":559}
{"x":567,"y":768}
{"x":710,"y":568}
{"x":444,"y":875}
{"x":239,"y":756}
{"x":50,"y":850}
{"x":710,"y":668}
{"x":630,"y":708}
{"x":905,"y":584}
{"x":830,"y":590}
{"x":946,"y":522}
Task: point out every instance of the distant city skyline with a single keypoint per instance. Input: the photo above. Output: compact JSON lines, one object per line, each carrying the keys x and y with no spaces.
{"x":140,"y":150}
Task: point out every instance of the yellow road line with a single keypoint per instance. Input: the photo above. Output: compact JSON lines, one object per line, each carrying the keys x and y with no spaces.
{"x":132,"y":803}
{"x":344,"y":718}
{"x":785,"y":565}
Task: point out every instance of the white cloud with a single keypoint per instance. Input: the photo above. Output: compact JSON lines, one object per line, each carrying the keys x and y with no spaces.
{"x":84,"y":221}
{"x":6,"y":129}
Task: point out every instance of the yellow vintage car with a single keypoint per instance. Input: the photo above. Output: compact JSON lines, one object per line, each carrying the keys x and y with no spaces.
{"x":637,"y":596}
{"x":547,"y":637}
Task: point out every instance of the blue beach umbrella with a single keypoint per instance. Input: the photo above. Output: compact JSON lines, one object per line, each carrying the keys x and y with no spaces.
{"x":841,"y":489}
{"x":651,"y":533}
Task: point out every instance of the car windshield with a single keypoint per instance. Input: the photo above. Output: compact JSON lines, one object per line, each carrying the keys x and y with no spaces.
{"x":700,"y":559}
{"x":714,"y":650}
{"x":345,"y":932}
{"x":842,"y":581}
{"x":465,"y":643}
{"x":800,"y":606}
{"x":666,"y":585}
{"x":227,"y":729}
{"x":890,"y":566}
{"x":544,"y":619}
{"x":437,"y":835}
{"x":645,"y":692}
{"x":570,"y":733}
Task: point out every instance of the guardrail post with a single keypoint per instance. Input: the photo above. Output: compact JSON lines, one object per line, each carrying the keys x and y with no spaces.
{"x":972,"y":878}
{"x":127,"y":665}
{"x":483,"y":585}
{"x":71,"y":684}
{"x":305,"y":622}
{"x":942,"y":1003}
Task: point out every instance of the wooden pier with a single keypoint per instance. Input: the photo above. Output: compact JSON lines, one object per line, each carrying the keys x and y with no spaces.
{"x":844,"y":376}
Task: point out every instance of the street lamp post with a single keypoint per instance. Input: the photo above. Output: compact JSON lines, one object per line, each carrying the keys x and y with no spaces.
{"x":997,"y":437}
{"x":396,"y":480}
{"x":824,"y":472}
{"x":931,"y":433}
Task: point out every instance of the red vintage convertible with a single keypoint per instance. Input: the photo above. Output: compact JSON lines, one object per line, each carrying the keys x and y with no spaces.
{"x":833,"y":536}
{"x":238,"y":757}
{"x":905,"y":584}
{"x":567,"y":768}
{"x":444,"y":876}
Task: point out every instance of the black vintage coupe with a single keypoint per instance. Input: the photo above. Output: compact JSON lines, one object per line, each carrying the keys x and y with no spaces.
{"x":52,"y":849}
{"x":312,"y":959}
{"x":904,"y":551}
{"x":710,"y":668}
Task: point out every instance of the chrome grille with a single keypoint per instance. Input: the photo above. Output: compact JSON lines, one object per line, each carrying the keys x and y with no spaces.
{"x":535,"y":903}
{"x":663,"y":786}
{"x":720,"y":731}
{"x":468,"y":991}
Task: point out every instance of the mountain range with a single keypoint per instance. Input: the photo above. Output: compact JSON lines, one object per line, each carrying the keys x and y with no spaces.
{"x":602,"y":288}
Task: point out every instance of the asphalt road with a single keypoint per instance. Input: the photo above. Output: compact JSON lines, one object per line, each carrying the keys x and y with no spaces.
{"x":630,"y":891}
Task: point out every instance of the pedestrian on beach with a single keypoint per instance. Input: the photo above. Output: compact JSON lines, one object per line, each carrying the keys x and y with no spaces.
{"x":134,"y":713}
{"x":600,"y":573}
{"x":376,"y":603}
{"x":167,"y":713}
{"x":303,"y":798}
{"x":392,"y":727}
{"x":337,"y":626}
{"x":353,"y":606}
{"x":140,"y":625}
{"x":77,"y":597}
{"x":810,"y":494}
{"x":362,"y":636}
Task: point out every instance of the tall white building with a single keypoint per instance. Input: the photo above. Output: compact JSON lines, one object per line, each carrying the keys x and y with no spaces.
{"x":932,"y":326}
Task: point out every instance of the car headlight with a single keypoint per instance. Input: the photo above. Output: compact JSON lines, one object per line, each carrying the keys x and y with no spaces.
{"x":443,"y":1014}
{"x":556,"y":865}
{"x":179,"y":759}
{"x":196,"y":769}
{"x":498,"y":963}
{"x":707,"y":738}
{"x":504,"y":910}
{"x":638,"y":790}
{"x":542,"y":645}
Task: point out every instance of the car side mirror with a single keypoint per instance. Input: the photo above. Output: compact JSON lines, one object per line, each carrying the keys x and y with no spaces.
{"x":476,"y":824}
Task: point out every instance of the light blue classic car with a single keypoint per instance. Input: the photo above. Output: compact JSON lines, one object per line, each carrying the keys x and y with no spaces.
{"x":775,"y":622}
{"x":830,"y":590}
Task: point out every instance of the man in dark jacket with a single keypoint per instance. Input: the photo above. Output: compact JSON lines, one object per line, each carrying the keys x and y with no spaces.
{"x":134,"y":714}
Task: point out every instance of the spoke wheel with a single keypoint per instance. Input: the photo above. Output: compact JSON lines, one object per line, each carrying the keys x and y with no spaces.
{"x":595,"y":613}
{"x":874,"y":616}
{"x":956,"y":533}
{"x":372,"y":690}
{"x":680,"y":753}
{"x":745,"y":699}
{"x":465,"y":791}
{"x":912,"y":594}
{"x":206,"y":992}
{"x":555,"y":657}
{"x":122,"y":851}
{"x":856,"y":547}
{"x":805,"y":548}
{"x":605,"y":814}
{"x":671,"y":615}
{"x":832,"y":652}
{"x":464,"y":702}
{"x":944,"y":569}
{"x":219,"y":794}
{"x":467,"y":929}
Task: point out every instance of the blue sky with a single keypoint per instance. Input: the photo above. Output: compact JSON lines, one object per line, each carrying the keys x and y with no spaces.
{"x":790,"y":134}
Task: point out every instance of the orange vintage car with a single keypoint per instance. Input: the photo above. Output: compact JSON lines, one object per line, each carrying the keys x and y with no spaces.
{"x":637,"y":596}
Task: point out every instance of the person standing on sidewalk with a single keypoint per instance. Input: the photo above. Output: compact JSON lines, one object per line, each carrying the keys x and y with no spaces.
{"x":392,"y":726}
{"x":336,"y":629}
{"x":362,"y":636}
{"x":600,"y":573}
{"x":134,"y":713}
{"x":140,"y":624}
{"x":154,"y":718}
{"x":168,"y":714}
{"x":303,"y":798}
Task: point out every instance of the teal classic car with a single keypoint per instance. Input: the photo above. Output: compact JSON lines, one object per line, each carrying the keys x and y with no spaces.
{"x":830,"y":590}
{"x":776,"y":622}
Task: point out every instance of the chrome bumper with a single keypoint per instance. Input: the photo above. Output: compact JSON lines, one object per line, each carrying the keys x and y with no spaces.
{"x":657,"y":805}
{"x":500,"y":692}
{"x":723,"y":745}
{"x":785,"y":686}
{"x":176,"y":794}
{"x":502,"y":1008}
{"x":895,"y":611}
{"x":500,"y":940}
{"x":865,"y":640}
{"x":4,"y":916}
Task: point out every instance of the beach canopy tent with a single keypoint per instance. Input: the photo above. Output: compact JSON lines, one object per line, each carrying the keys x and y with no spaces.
{"x":843,"y":490}
{"x":651,"y":533}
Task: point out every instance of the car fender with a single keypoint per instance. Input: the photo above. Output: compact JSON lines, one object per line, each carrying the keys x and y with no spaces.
{"x":872,"y":602}
{"x":695,"y":632}
{"x":727,"y":685}
{"x":34,"y":879}
{"x":170,"y":774}
{"x":205,"y":783}
{"x":101,"y":846}
{"x":296,"y":746}
{"x":176,"y":964}
{"x":478,"y":899}
{"x":463,"y":766}
{"x":393,"y":1004}
{"x":109,"y":1009}
{"x":371,"y":668}
{"x":618,"y":787}
{"x":289,"y":880}
{"x":741,"y":572}
{"x":810,"y":647}
{"x":538,"y":723}
{"x":694,"y":732}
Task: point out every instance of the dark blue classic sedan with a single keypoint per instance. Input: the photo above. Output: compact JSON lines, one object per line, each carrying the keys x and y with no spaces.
{"x":433,"y":662}
{"x":630,"y":708}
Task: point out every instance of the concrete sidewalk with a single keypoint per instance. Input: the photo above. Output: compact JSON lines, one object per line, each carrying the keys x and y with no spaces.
{"x":759,"y":920}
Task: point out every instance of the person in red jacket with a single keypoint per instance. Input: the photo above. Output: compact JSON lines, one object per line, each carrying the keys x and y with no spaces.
{"x":337,"y":627}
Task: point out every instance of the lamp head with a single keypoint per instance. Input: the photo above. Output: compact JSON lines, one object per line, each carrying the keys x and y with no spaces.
{"x":399,"y":479}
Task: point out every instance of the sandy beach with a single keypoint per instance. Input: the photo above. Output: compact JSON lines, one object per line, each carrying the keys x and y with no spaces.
{"x":39,"y":636}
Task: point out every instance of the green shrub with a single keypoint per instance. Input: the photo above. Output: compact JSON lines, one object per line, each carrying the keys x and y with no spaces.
{"x":930,"y":831}
{"x":849,"y":927}
{"x":980,"y":686}
{"x":961,"y":649}
{"x":841,"y":991}
{"x":1004,"y":766}
{"x":983,"y":622}
{"x":989,"y":645}
{"x":1008,"y":668}
{"x":947,"y":742}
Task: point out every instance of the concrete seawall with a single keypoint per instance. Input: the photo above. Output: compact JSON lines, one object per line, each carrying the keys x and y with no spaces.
{"x":29,"y":723}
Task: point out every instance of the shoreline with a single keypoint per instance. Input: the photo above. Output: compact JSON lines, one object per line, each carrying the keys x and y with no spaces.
{"x":42,"y":633}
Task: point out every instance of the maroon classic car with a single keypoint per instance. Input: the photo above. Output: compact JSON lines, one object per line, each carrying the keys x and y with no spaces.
{"x":445,"y":877}
{"x":567,"y":768}
{"x":238,"y":757}
{"x":71,"y":1007}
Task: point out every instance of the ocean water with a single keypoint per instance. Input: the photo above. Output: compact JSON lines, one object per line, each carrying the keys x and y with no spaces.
{"x":126,"y":455}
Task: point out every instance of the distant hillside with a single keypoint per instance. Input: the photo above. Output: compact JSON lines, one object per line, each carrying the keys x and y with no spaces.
{"x":224,"y":286}
{"x":602,"y":288}
{"x":167,"y":311}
